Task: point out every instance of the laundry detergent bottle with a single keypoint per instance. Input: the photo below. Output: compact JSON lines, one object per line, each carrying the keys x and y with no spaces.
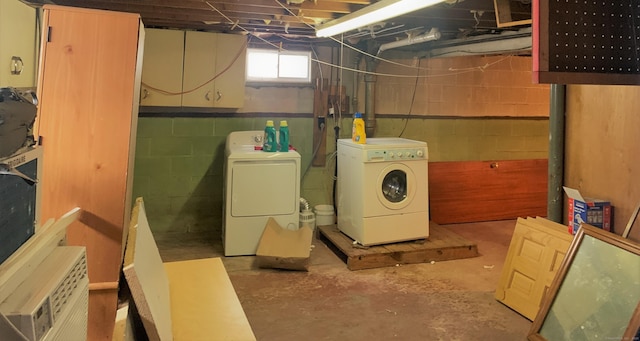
{"x":358,"y":133}
{"x":269,"y":143}
{"x":283,"y":139}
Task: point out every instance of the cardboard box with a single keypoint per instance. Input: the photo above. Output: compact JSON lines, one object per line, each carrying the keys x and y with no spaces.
{"x":284,"y":249}
{"x":592,"y":211}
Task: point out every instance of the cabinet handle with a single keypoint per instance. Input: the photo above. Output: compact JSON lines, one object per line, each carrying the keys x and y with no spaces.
{"x":218,"y":95}
{"x":206,"y":96}
{"x":16,"y":65}
{"x":145,"y":93}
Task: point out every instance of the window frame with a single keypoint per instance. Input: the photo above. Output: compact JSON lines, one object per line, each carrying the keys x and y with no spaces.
{"x":278,"y":79}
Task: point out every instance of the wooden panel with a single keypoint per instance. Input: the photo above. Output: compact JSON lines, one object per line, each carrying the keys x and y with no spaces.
{"x":88,"y":87}
{"x":536,"y":251}
{"x":146,"y":277}
{"x":505,"y":17}
{"x":608,"y":165}
{"x":461,"y":192}
{"x":442,"y":245}
{"x":204,"y":305}
{"x":320,"y":102}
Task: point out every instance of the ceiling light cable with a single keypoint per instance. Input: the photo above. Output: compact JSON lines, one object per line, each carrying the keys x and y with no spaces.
{"x":237,"y":24}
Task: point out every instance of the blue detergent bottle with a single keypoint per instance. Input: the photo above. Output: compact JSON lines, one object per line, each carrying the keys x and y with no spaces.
{"x":283,"y":143}
{"x":269,"y":143}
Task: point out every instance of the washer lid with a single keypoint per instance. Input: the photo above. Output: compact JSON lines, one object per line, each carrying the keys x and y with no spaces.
{"x":384,"y":142}
{"x":249,"y":153}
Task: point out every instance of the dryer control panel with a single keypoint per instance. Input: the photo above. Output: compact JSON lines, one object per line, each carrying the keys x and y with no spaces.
{"x":396,"y":155}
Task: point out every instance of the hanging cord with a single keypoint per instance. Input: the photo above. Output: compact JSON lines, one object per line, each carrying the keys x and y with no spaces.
{"x":315,"y":152}
{"x":336,"y":130}
{"x":413,"y":99}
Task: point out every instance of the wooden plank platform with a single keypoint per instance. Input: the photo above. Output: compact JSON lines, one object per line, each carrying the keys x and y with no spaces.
{"x":441,"y":245}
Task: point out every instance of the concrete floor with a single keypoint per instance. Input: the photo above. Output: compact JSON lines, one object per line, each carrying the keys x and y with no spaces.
{"x":450,"y":300}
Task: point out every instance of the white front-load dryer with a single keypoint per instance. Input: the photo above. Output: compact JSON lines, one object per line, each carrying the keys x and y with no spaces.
{"x":258,"y":185}
{"x":382,"y":192}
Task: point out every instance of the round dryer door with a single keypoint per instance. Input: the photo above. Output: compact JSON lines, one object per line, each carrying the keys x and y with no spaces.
{"x":397,"y":186}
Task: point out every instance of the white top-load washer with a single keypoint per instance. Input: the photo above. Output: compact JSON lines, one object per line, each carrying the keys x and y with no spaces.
{"x":382,"y":194}
{"x":258,"y":185}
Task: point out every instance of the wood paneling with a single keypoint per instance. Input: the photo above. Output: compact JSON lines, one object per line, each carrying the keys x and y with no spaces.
{"x":602,"y":147}
{"x":88,"y":88}
{"x":461,"y":192}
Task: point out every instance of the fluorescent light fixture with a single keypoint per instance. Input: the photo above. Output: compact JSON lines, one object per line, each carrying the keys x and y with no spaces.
{"x":379,"y":11}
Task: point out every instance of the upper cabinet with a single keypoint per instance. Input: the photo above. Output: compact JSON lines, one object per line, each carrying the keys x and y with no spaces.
{"x":214,"y":70}
{"x":193,"y":69}
{"x":162,"y":68}
{"x":19,"y":44}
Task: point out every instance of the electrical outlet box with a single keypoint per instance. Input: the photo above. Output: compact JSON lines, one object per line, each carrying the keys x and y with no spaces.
{"x":321,"y":122}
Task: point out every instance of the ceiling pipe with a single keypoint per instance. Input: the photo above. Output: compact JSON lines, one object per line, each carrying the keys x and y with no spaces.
{"x":508,"y":41}
{"x":433,"y":34}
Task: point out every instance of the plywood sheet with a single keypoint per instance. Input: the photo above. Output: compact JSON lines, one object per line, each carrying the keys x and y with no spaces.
{"x":146,"y":277}
{"x":88,"y":90}
{"x":462,"y":192}
{"x":204,"y":304}
{"x":602,"y":147}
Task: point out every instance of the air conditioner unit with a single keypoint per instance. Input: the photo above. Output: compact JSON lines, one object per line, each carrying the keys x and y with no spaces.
{"x":19,"y":199}
{"x":53,"y":302}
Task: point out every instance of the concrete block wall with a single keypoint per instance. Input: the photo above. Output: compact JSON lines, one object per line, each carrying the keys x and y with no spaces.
{"x":179,"y":160}
{"x":179,"y":167}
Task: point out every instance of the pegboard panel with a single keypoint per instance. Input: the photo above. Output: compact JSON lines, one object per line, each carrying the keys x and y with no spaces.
{"x":587,"y":41}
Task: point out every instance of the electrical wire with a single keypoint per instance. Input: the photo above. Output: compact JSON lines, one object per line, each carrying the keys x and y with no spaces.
{"x":343,"y":44}
{"x":315,"y":152}
{"x":413,"y":98}
{"x":319,"y":65}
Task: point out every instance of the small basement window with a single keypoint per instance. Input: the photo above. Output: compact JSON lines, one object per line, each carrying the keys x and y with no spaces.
{"x":278,"y":66}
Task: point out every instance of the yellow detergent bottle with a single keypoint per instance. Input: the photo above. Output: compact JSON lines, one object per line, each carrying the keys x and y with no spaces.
{"x":358,"y":133}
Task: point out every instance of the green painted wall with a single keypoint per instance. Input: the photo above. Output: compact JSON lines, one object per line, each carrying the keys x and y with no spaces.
{"x":179,"y":161}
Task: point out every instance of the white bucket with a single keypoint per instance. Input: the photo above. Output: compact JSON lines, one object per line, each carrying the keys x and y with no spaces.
{"x":307,"y":218}
{"x":324,"y":215}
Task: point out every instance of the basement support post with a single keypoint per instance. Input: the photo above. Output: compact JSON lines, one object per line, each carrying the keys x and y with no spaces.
{"x":556,"y":153}
{"x":369,"y":94}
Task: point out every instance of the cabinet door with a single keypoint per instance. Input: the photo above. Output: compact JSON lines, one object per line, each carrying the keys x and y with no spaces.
{"x":230,"y":65}
{"x":18,"y":41}
{"x":199,"y":69}
{"x":162,"y":68}
{"x":214,"y":70}
{"x":88,"y":88}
